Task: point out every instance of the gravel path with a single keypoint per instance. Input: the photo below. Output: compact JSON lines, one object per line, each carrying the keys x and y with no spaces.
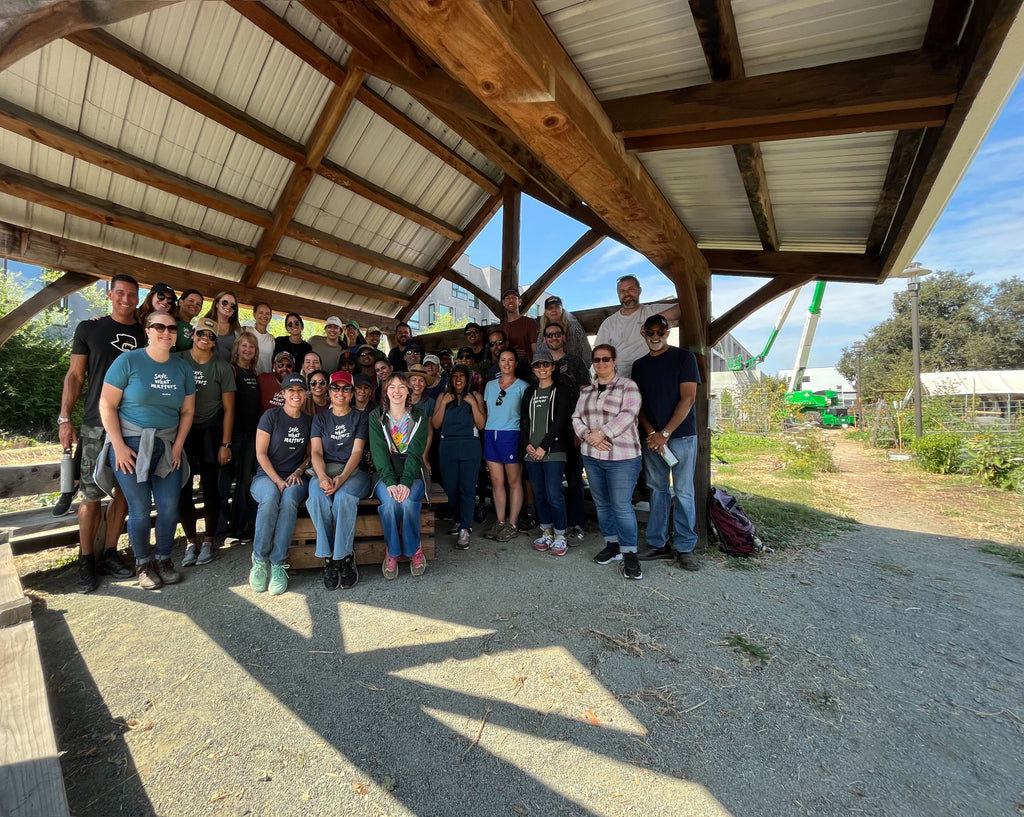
{"x":880,"y":674}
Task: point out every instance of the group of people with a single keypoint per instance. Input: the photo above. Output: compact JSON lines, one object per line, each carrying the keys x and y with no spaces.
{"x":269,"y":424}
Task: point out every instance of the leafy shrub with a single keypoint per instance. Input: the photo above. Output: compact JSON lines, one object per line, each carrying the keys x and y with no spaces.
{"x":999,"y":460}
{"x":806,"y":451}
{"x":941,"y":452}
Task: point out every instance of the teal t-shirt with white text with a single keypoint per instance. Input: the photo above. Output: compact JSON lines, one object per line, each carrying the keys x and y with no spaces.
{"x":152,"y":393}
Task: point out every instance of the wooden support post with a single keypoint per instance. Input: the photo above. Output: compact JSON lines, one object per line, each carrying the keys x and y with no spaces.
{"x":46,"y":297}
{"x":511,"y":212}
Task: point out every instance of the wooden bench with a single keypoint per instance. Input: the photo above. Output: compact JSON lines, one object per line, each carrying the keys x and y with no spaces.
{"x":31,"y":783}
{"x":369,"y":546}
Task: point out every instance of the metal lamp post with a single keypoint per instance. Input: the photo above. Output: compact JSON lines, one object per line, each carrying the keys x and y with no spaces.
{"x":858,"y":352}
{"x":915,"y":272}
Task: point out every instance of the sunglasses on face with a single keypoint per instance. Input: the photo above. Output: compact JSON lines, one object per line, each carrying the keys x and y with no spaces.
{"x":411,"y":352}
{"x":465,"y":357}
{"x":205,"y":334}
{"x":494,"y":343}
{"x":366,"y":354}
{"x":163,"y":296}
{"x":317,"y":382}
{"x":160,"y":328}
{"x":472,"y":331}
{"x":501,"y":397}
{"x":655,"y":333}
{"x":553,"y":334}
{"x":606,"y":359}
{"x":229,"y":304}
{"x":293,"y":325}
{"x":542,"y":364}
{"x":284,"y":364}
{"x":341,"y":388}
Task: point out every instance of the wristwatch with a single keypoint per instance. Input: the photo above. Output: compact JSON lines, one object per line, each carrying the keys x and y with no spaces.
{"x":62,"y":420}
{"x":665,"y":434}
{"x":226,"y":445}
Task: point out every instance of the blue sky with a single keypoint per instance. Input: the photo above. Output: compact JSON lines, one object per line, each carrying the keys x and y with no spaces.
{"x":981,"y":230}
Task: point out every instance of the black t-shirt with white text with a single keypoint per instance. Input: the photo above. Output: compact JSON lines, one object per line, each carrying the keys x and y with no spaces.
{"x":102,"y":341}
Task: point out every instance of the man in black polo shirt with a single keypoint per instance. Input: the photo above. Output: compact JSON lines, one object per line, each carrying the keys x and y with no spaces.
{"x":396,"y":357}
{"x":96,"y":345}
{"x":667,"y":378}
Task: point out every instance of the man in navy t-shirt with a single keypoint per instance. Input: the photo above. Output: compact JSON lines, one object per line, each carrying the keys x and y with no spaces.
{"x":667,"y":378}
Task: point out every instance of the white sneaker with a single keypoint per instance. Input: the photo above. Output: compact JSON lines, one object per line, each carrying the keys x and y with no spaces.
{"x":191,"y":554}
{"x":558,"y":546}
{"x":542,"y":542}
{"x":205,"y":554}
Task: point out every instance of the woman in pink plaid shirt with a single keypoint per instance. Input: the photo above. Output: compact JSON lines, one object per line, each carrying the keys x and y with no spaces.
{"x":605,"y":419}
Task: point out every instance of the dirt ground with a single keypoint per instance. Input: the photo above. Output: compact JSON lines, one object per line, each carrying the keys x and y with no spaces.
{"x":880,"y":673}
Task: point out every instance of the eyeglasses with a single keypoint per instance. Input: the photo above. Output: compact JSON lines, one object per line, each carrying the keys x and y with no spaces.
{"x":553,"y":334}
{"x":317,"y":382}
{"x":501,"y":398}
{"x":655,"y":333}
{"x":229,"y":304}
{"x":166,"y":296}
{"x":605,"y":359}
{"x":205,"y":334}
{"x":160,"y":328}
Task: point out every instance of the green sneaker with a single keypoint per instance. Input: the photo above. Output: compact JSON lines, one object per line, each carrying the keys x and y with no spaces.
{"x":278,"y":579}
{"x":258,"y":576}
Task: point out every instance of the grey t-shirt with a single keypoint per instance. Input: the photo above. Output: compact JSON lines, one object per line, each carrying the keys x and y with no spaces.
{"x":213,"y":378}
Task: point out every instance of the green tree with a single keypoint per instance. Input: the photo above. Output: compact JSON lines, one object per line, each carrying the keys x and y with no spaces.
{"x":444,"y":323}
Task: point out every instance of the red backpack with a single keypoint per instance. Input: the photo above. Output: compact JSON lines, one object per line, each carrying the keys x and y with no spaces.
{"x":731,"y":527}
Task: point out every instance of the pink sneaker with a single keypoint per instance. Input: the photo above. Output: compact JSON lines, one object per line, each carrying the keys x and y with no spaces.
{"x":390,"y":568}
{"x":418,"y":563}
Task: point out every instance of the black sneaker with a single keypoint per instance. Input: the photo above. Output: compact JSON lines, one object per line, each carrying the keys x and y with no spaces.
{"x":611,"y":553}
{"x":479,"y":512}
{"x":651,"y":554}
{"x":332,"y":578}
{"x":687,"y":561}
{"x":349,"y":572}
{"x":110,"y":565}
{"x":63,"y":503}
{"x":631,"y":566}
{"x":87,"y":579}
{"x":527,"y":521}
{"x":574,"y":536}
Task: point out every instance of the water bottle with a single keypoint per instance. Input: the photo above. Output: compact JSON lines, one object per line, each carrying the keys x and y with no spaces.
{"x":67,"y":472}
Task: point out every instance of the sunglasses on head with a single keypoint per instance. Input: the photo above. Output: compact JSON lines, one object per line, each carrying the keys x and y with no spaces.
{"x":604,"y":359}
{"x":160,"y":328}
{"x":229,"y":304}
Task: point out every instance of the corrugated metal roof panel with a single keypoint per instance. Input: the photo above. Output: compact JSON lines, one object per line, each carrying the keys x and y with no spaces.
{"x":22,"y":213}
{"x":625,"y":49}
{"x":50,"y":81}
{"x":296,"y":15}
{"x":781,"y":35}
{"x":825,"y":190}
{"x":33,"y":158}
{"x":706,"y":191}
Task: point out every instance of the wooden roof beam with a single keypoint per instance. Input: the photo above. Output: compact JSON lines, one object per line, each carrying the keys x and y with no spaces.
{"x":580,"y":247}
{"x":724,"y":324}
{"x":482,"y":294}
{"x":716,"y":27}
{"x":506,"y":55}
{"x":347,"y":249}
{"x":876,"y":93}
{"x":302,"y":174}
{"x":819,"y":266}
{"x":52,"y":251}
{"x":901,"y":163}
{"x":455,"y":249}
{"x":31,"y":188}
{"x":325,"y":277}
{"x":67,"y":284}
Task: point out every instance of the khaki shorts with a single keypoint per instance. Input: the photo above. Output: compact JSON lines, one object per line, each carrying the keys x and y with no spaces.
{"x":91,"y":439}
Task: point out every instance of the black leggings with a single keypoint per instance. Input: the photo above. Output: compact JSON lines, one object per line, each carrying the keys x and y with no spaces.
{"x":202,"y":447}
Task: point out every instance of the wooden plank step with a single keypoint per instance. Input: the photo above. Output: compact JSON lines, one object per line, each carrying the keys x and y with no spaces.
{"x":31,"y":783}
{"x":367,"y":525}
{"x":367,"y":552}
{"x":15,"y":606}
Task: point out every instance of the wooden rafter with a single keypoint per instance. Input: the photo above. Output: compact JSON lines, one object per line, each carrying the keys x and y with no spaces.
{"x":506,"y":55}
{"x":580,"y":247}
{"x":323,"y":277}
{"x":31,"y":188}
{"x":346,"y":249}
{"x":874,"y":92}
{"x":54,"y":135}
{"x":455,"y":249}
{"x":68,"y":283}
{"x":716,"y":27}
{"x":901,"y":162}
{"x":485,"y":297}
{"x":302,"y":174}
{"x":822,"y":266}
{"x":975,"y":50}
{"x":51,"y":251}
{"x":724,"y":324}
{"x":511,"y":235}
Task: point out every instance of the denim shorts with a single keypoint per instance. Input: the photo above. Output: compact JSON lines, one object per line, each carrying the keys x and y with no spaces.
{"x":501,"y":446}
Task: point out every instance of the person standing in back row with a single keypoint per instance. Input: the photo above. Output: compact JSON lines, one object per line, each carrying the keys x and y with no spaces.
{"x":624,"y":329}
{"x":520,"y":330}
{"x":667,"y":378}
{"x":96,"y":345}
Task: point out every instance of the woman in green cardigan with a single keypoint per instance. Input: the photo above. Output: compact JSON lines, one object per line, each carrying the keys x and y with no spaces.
{"x":398,"y":438}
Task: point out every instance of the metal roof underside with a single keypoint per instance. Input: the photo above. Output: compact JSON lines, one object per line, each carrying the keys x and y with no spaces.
{"x":411,"y":170}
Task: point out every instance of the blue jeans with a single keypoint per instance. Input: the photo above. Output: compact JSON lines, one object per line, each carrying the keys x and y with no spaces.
{"x":275,"y":518}
{"x":335,"y":515}
{"x":546,"y":477}
{"x":611,"y":486}
{"x":678,"y":496}
{"x":390,"y":512}
{"x":460,"y":464}
{"x":141,"y":496}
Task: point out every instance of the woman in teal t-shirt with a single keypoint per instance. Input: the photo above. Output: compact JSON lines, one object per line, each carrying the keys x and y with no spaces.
{"x":503,"y":398}
{"x":146,"y":405}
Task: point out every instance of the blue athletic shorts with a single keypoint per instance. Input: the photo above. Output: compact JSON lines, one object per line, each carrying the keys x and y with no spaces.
{"x":501,"y":446}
